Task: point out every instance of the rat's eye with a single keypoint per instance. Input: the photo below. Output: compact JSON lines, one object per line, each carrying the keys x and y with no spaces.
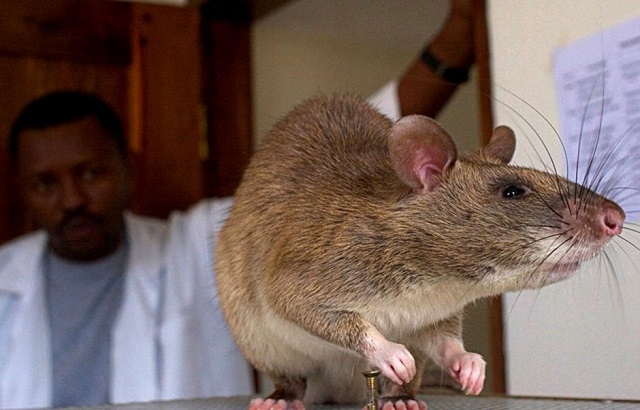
{"x":514,"y":192}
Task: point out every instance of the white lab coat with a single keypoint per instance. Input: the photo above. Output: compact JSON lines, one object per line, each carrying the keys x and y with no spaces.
{"x":170,"y":339}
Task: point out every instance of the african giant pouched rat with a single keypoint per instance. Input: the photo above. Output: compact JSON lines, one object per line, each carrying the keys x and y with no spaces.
{"x":355,"y":243}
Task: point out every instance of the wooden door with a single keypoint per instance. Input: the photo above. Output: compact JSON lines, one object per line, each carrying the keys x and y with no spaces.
{"x":496,"y":332}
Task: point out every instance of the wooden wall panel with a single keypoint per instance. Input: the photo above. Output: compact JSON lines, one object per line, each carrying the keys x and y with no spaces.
{"x":72,"y":30}
{"x":166,"y":94}
{"x":227,"y":93}
{"x":482,"y":53}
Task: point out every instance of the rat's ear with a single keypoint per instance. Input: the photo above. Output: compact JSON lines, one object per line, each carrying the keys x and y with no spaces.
{"x":501,"y":146}
{"x":420,"y":151}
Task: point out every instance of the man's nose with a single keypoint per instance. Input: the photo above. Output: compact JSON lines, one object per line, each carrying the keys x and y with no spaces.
{"x":73,"y":195}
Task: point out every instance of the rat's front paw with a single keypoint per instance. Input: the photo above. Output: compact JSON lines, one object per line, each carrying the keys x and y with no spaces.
{"x":394,"y":361}
{"x":469,"y":370}
{"x":272,"y":404}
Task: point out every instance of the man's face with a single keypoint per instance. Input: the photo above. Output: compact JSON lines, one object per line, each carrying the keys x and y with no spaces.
{"x":75,"y":184}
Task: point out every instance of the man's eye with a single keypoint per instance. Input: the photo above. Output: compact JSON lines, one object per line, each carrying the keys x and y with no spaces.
{"x":44,"y":185}
{"x":90,"y":174}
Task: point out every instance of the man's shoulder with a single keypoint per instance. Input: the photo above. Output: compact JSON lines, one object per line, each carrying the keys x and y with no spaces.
{"x":209,"y":210}
{"x":200,"y":221}
{"x":22,"y":246}
{"x":145,"y":222}
{"x":145,"y":228}
{"x":36,"y":238}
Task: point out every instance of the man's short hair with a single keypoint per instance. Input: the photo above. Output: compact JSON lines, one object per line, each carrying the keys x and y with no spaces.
{"x":63,"y":107}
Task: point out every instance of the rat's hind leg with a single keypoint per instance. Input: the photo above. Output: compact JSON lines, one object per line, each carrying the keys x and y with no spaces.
{"x":288,"y":394}
{"x":288,"y":388}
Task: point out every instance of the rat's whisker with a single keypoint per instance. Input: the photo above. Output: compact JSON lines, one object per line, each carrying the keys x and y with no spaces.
{"x":539,"y":137}
{"x":615,"y":287}
{"x":629,"y":192}
{"x":615,"y":148}
{"x":550,"y":207}
{"x":626,"y":228}
{"x":629,"y":242}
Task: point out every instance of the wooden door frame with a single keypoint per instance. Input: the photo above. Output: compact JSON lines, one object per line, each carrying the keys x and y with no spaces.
{"x":484,"y":84}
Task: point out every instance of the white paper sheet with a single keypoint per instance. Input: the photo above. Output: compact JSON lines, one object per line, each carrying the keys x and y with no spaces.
{"x":598,"y":89}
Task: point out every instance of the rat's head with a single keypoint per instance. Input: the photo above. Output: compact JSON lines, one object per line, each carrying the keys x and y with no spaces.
{"x":510,"y":227}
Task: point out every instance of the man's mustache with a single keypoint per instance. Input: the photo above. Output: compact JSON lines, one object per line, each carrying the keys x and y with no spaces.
{"x":77,"y":218}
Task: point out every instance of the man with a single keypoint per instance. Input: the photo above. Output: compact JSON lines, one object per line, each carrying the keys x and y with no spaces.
{"x":103,"y":306}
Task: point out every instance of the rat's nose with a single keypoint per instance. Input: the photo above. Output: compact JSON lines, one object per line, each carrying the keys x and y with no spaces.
{"x":611,"y":220}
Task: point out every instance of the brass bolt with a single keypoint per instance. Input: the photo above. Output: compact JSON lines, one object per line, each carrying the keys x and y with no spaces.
{"x":372,"y":388}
